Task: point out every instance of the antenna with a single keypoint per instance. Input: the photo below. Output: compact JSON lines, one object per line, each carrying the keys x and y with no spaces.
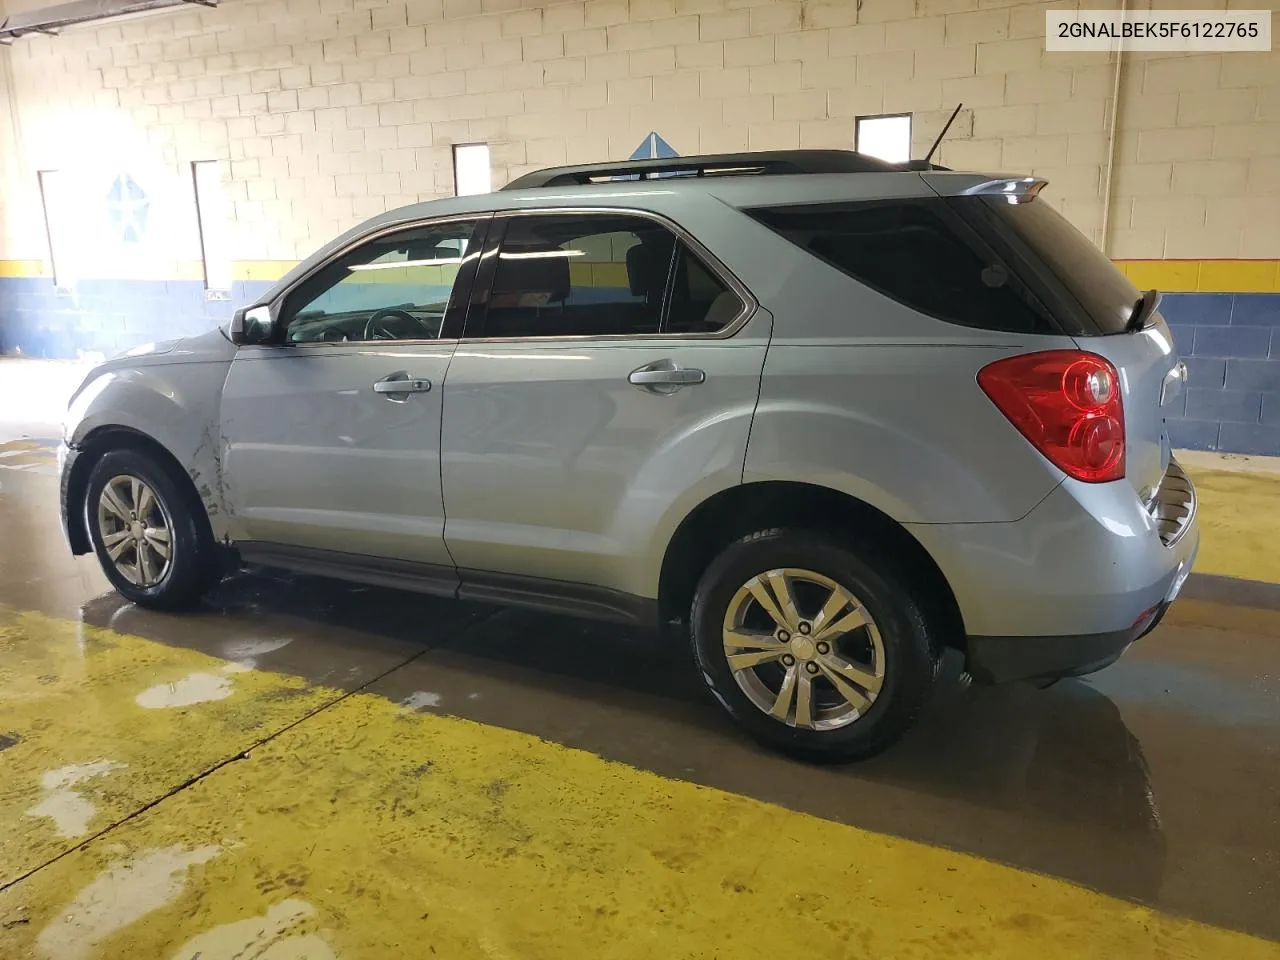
{"x":947,"y":126}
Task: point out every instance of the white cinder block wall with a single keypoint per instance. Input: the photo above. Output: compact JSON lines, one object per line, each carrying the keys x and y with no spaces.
{"x":329,"y":111}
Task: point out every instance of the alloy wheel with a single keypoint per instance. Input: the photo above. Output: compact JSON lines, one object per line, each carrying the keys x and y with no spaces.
{"x":135,"y":530}
{"x":804,"y":649}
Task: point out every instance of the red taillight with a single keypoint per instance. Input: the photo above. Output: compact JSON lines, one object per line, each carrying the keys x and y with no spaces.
{"x":1067,"y":403}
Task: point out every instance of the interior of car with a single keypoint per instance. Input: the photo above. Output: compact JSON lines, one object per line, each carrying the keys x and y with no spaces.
{"x":393,"y":290}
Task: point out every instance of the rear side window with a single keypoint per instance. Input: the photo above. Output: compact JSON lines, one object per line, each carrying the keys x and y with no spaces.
{"x":611,"y":275}
{"x":700,"y":301}
{"x":920,"y":254}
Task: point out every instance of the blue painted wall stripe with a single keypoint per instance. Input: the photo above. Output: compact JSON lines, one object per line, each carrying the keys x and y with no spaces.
{"x":1231,"y":345}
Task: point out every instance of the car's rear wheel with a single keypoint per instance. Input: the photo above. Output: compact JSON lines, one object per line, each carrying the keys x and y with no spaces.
{"x":150,"y":541}
{"x":814,"y":648}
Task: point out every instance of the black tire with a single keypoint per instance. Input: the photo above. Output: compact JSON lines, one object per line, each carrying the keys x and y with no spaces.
{"x":910,"y":641}
{"x":193,"y":565}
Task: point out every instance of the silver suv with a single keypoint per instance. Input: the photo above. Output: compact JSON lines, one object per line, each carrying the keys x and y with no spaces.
{"x":830,"y":415}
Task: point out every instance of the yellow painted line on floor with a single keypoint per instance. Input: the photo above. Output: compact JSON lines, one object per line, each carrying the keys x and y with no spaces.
{"x":374,"y":831}
{"x":1239,"y":523}
{"x":93,"y":725}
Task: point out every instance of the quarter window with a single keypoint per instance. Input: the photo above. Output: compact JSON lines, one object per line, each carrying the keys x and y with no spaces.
{"x":599,"y":275}
{"x":395,"y":287}
{"x":700,"y":302}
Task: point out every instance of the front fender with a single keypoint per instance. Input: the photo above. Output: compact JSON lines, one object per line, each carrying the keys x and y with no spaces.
{"x":174,"y":405}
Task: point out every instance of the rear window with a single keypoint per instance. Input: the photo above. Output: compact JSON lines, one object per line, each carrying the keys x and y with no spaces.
{"x":920,"y":253}
{"x":1085,"y":273}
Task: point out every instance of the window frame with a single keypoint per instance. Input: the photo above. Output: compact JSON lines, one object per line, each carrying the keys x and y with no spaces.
{"x":455,"y":316}
{"x":478,"y":307}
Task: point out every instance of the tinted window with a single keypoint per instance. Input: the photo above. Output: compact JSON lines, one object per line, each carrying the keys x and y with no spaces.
{"x":918,"y":253}
{"x":397,"y":287}
{"x":1103,"y":291}
{"x":579,"y":275}
{"x":600,"y":275}
{"x":700,"y":301}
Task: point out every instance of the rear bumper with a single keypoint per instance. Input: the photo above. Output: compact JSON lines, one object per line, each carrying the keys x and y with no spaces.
{"x":1065,"y":590}
{"x":1001,"y":659}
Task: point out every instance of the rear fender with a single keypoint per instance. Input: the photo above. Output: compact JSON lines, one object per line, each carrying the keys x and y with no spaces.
{"x":902,"y":427}
{"x":695,"y":464}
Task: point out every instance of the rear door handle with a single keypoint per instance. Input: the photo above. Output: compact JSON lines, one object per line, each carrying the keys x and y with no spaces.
{"x":665,"y":376}
{"x":394,"y":385}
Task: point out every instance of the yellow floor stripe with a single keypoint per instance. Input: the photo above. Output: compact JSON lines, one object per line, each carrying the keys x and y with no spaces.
{"x":1239,"y":524}
{"x":371,"y":830}
{"x":96,"y":725}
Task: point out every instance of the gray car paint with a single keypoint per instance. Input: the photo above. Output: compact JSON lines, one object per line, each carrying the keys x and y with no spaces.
{"x":169,"y":392}
{"x":1086,"y":560}
{"x":856,"y":392}
{"x":555,"y":466}
{"x":1143,"y":358}
{"x":371,"y":463}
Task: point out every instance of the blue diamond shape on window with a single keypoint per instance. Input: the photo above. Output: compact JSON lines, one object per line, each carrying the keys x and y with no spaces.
{"x":127,"y":206}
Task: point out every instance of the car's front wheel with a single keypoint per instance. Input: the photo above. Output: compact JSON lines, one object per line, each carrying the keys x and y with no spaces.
{"x":146,"y":532}
{"x":813,"y":647}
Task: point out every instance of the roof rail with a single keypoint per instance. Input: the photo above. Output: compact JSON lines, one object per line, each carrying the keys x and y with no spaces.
{"x":760,"y":163}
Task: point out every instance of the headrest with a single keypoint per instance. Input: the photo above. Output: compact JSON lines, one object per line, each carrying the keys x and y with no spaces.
{"x":647,"y":265}
{"x":525,"y":275}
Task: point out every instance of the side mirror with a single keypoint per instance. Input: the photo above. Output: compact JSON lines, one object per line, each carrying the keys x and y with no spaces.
{"x":251,"y":325}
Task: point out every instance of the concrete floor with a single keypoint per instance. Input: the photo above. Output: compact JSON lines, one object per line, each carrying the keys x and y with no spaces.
{"x":310,"y":770}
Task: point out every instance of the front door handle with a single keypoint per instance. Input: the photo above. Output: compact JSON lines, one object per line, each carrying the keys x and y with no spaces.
{"x":665,"y":376}
{"x":397,"y":385}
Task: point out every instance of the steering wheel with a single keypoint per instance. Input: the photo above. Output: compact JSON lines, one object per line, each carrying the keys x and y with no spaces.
{"x":375,"y":330}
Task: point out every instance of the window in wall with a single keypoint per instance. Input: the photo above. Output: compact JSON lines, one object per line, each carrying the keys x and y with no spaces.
{"x":471,"y":171}
{"x":887,"y":137}
{"x":395,"y":287}
{"x":600,"y":275}
{"x":214,"y":223}
{"x":917,"y":252}
{"x":62,"y":220}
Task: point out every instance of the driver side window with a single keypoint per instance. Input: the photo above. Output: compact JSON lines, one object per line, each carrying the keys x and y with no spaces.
{"x":395,"y":287}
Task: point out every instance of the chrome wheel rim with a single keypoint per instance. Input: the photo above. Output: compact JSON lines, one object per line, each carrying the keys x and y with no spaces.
{"x":804,"y":649}
{"x":135,"y":530}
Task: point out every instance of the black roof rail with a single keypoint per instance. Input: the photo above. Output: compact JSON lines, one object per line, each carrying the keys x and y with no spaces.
{"x":760,"y":163}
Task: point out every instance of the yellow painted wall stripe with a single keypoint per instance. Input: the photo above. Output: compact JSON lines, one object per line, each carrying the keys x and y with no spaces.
{"x":21,"y":268}
{"x":1168,"y":276}
{"x":1204,"y":276}
{"x":262,"y":270}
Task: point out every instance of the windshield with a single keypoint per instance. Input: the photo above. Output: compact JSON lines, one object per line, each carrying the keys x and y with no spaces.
{"x":1082,"y":269}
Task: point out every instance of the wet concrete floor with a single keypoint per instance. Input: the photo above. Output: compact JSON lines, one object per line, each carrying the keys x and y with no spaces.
{"x":310,"y":769}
